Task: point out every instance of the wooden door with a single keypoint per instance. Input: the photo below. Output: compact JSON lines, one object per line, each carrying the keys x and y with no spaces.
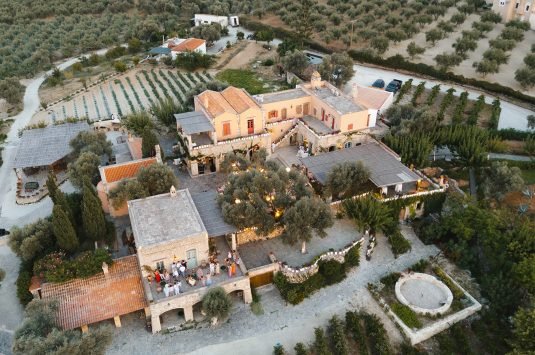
{"x":250,"y":126}
{"x":306,"y":108}
{"x":262,"y":279}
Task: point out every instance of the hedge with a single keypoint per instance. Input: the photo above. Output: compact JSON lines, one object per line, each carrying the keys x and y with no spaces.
{"x":457,"y":292}
{"x":407,"y":315}
{"x":398,"y":243}
{"x":23,"y":284}
{"x":513,"y":134}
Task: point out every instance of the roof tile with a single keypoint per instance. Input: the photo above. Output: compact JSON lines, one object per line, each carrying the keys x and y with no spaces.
{"x":126,"y":170}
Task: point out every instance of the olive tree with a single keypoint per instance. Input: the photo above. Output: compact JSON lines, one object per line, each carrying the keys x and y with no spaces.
{"x":337,"y":68}
{"x":216,"y":303}
{"x":91,"y":141}
{"x":346,"y":179}
{"x":84,"y":168}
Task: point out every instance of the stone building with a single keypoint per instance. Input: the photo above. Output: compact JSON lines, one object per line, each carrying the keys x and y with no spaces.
{"x":523,"y":10}
{"x":168,"y":228}
{"x":316,"y":115}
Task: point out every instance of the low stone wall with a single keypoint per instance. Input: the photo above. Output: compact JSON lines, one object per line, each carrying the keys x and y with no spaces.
{"x":427,"y":278}
{"x":298,"y":275}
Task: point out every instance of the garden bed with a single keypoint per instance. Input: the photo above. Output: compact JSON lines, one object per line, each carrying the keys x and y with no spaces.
{"x":419,"y":326}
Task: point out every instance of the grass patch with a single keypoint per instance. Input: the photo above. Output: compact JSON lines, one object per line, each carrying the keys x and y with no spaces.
{"x":528,"y":175}
{"x":407,"y":315}
{"x":245,"y":79}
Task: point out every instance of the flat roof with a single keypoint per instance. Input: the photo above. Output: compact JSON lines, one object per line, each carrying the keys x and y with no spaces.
{"x":371,"y":97}
{"x":281,"y":96}
{"x":44,"y":146}
{"x":160,"y":50}
{"x":337,"y":100}
{"x":211,"y":215}
{"x":385,"y":168}
{"x":194,"y":122}
{"x":99,"y":297}
{"x":316,"y":125}
{"x":164,"y":218}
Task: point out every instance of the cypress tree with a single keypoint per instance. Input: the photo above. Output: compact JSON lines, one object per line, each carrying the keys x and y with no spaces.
{"x":63,"y":230}
{"x":52,"y":185}
{"x":61,"y":200}
{"x":148,"y":141}
{"x":92,"y":215}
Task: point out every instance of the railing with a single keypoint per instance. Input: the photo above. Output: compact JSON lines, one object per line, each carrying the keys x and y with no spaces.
{"x":230,"y":141}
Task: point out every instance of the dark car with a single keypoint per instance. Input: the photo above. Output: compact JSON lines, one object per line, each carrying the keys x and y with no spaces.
{"x":3,"y":232}
{"x":394,"y":86}
{"x":251,"y":36}
{"x":379,"y":83}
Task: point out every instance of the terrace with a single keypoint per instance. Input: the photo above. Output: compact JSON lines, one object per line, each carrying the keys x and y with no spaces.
{"x":221,"y":250}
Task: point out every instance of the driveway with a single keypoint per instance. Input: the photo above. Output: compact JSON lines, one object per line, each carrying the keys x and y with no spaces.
{"x":512,"y":116}
{"x":232,"y":31}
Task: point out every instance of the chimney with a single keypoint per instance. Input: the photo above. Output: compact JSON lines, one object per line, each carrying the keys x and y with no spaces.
{"x":172,"y":191}
{"x":105,"y":268}
{"x":354,"y":91}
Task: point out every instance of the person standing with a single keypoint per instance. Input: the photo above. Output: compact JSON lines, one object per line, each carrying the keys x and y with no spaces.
{"x":212,"y":268}
{"x":166,"y":290}
{"x":182,"y":270}
{"x":233,"y":269}
{"x":217,"y":267}
{"x":177,"y":287}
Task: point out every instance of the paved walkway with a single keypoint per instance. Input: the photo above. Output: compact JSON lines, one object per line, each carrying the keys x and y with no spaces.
{"x":246,"y":333}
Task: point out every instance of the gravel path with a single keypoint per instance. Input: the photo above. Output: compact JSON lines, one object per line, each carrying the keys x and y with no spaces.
{"x":280,"y":323}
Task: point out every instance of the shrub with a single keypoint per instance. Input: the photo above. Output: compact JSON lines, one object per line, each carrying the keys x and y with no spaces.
{"x":56,"y":268}
{"x":2,"y":274}
{"x":216,"y":303}
{"x":120,"y":66}
{"x":399,"y":244}
{"x":407,"y":315}
{"x":390,"y":279}
{"x":268,"y":62}
{"x":332,"y":271}
{"x":352,"y":257}
{"x":337,"y":336}
{"x":420,"y":266}
{"x":23,"y":284}
{"x":320,"y":342}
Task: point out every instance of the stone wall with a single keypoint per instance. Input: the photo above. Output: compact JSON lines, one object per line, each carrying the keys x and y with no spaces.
{"x":298,"y":275}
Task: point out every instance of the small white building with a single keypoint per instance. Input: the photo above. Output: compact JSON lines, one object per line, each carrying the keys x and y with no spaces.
{"x":205,"y":19}
{"x":180,"y":45}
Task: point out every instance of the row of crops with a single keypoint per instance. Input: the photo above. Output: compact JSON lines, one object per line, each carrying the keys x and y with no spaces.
{"x":132,"y":92}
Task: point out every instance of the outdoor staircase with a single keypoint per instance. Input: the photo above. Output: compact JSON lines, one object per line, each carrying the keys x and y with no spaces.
{"x":286,"y":135}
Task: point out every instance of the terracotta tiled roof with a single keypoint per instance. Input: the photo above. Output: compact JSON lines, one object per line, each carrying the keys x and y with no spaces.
{"x":372,"y":98}
{"x":134,"y":146}
{"x":238,"y":99}
{"x":126,"y":170}
{"x":189,"y":44}
{"x":99,"y":297}
{"x":231,"y":100}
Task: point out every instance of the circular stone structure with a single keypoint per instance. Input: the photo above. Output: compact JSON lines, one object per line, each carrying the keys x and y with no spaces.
{"x":423,"y":293}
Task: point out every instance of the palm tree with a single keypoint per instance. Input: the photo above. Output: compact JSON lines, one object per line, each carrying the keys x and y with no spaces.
{"x":368,"y":213}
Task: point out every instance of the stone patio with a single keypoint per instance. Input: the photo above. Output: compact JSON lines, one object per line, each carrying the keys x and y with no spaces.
{"x":255,"y":254}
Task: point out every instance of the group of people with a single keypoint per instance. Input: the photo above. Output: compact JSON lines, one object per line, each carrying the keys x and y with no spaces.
{"x":172,"y":281}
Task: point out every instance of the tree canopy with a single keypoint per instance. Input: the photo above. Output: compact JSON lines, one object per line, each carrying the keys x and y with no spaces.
{"x":259,"y":197}
{"x":91,"y":141}
{"x":39,"y":334}
{"x":337,"y":68}
{"x":216,"y":303}
{"x":347,"y":179}
{"x":32,"y":240}
{"x":84,"y":168}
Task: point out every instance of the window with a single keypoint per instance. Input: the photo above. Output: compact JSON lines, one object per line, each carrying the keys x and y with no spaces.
{"x":350,"y":127}
{"x":226,"y":128}
{"x":160,"y":266}
{"x":315,"y":112}
{"x":283,"y":113}
{"x":306,"y":109}
{"x":516,"y":6}
{"x":368,"y":121}
{"x":299,"y":109}
{"x":273,"y":114}
{"x":527,"y":8}
{"x":348,"y":144}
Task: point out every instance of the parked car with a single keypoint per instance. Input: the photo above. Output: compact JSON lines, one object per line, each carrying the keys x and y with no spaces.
{"x":3,"y":232}
{"x":250,"y":36}
{"x":379,"y":84}
{"x":394,"y":86}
